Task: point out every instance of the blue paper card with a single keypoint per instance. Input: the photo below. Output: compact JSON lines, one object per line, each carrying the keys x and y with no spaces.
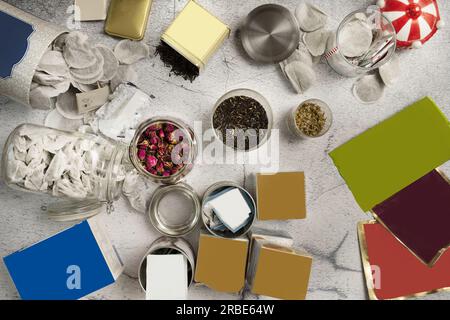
{"x":14,"y":34}
{"x":68,"y":265}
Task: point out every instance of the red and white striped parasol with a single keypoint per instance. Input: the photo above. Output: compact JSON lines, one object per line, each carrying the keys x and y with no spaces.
{"x":415,"y":21}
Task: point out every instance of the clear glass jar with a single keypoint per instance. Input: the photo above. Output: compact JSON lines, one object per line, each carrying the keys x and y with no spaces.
{"x":69,"y":165}
{"x":184,"y":141}
{"x":262,"y":101}
{"x":292,"y":124}
{"x":341,"y":64}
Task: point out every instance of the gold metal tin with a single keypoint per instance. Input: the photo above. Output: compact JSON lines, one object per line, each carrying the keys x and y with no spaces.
{"x":196,"y":34}
{"x":128,"y":18}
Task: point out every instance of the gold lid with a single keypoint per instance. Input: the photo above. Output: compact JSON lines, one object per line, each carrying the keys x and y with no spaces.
{"x":196,"y":34}
{"x":128,"y":18}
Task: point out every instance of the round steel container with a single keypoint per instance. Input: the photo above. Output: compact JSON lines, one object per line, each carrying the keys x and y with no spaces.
{"x":217,"y":187}
{"x":174,"y":210}
{"x":167,"y":245}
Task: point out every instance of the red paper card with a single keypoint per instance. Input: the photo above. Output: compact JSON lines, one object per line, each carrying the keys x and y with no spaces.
{"x":392,"y":271}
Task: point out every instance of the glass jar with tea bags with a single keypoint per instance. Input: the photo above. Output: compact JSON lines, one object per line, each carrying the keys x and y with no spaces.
{"x":86,"y":169}
{"x":364,"y":41}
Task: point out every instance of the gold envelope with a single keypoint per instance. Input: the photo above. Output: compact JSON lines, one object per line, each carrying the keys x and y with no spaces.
{"x":281,"y":273}
{"x":128,"y":18}
{"x":221,"y":263}
{"x":196,"y":34}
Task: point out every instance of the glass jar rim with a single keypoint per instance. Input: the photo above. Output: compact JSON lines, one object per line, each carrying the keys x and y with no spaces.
{"x":376,"y":66}
{"x":260,"y":99}
{"x":186,"y":134}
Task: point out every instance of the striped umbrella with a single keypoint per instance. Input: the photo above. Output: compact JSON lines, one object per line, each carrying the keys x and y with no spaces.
{"x":415,"y":21}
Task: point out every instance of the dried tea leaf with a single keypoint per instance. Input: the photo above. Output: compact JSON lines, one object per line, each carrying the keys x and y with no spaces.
{"x":130,"y":52}
{"x":310,"y":119}
{"x":309,"y":17}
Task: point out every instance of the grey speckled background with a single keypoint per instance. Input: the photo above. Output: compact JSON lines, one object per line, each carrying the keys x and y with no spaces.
{"x":329,"y":232}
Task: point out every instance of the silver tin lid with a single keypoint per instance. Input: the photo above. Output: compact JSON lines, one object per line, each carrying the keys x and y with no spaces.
{"x":270,"y":33}
{"x":174,"y":210}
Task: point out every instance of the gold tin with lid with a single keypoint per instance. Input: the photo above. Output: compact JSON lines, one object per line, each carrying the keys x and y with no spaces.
{"x":128,"y":18}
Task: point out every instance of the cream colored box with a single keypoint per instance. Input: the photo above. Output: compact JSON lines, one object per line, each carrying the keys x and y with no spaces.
{"x":91,"y":10}
{"x":196,"y":34}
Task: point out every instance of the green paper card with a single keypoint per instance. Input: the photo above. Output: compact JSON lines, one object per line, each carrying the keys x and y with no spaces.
{"x":390,"y":156}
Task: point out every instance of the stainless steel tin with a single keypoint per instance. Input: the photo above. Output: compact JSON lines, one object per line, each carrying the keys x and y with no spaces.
{"x":270,"y":33}
{"x":167,"y":245}
{"x":217,"y":187}
{"x":174,"y":210}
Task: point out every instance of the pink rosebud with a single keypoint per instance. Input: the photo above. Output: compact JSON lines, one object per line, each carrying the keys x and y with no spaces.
{"x":171,"y":138}
{"x":169,"y":127}
{"x":152,"y":147}
{"x":154,"y":140}
{"x":154,"y":127}
{"x":160,"y":168}
{"x":161,"y":152}
{"x":168,"y":164}
{"x":161,"y":134}
{"x":151,"y":161}
{"x":166,"y":174}
{"x":141,"y":154}
{"x":153,"y":171}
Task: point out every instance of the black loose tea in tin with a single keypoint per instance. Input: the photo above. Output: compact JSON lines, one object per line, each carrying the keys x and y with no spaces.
{"x":241,"y":121}
{"x":180,"y":66}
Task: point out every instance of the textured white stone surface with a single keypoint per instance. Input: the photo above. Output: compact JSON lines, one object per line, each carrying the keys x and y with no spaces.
{"x":328,"y":233}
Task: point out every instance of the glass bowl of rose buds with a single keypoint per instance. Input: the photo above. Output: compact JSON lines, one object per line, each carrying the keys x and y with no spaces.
{"x":163,"y":149}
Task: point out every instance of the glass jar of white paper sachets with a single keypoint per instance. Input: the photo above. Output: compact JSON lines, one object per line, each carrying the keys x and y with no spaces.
{"x":72,"y":165}
{"x":89,"y":169}
{"x":364,"y":41}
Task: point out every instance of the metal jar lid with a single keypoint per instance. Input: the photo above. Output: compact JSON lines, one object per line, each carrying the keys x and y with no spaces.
{"x":270,"y":33}
{"x":174,"y":210}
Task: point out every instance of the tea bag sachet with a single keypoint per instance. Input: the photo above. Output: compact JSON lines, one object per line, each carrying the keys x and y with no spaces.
{"x":309,"y":17}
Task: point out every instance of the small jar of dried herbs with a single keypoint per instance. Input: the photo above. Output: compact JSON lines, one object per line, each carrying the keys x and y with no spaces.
{"x":310,"y":119}
{"x":242,"y":119}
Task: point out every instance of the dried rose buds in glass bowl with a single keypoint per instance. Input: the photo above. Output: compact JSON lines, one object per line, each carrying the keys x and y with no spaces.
{"x":164,"y":149}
